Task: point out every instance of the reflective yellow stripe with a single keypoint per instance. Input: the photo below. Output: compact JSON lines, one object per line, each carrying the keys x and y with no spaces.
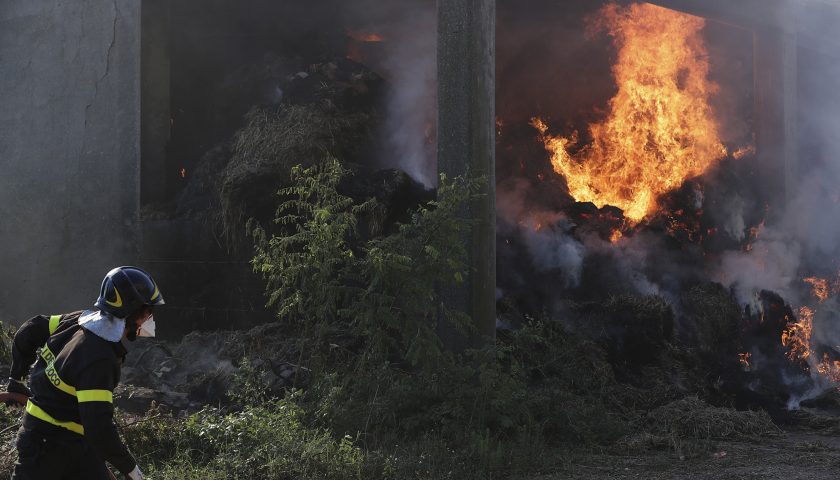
{"x":95,"y":396}
{"x":57,"y":382}
{"x":52,"y":374}
{"x":36,"y":412}
{"x":54,"y":321}
{"x":47,"y":354}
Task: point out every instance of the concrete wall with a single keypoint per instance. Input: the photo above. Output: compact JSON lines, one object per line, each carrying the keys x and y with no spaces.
{"x":69,"y":149}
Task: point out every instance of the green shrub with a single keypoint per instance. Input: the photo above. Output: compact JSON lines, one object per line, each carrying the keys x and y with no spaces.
{"x":270,"y":442}
{"x":379,"y":297}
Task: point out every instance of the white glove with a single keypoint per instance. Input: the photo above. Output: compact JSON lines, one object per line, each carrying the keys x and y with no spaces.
{"x":136,"y":474}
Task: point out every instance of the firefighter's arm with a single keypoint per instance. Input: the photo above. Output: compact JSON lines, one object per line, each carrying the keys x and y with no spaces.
{"x":96,"y":408}
{"x":31,"y":336}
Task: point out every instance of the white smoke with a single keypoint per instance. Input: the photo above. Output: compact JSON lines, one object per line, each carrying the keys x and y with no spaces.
{"x":734,"y":224}
{"x":546,"y":235}
{"x":803,"y":239}
{"x":632,"y":259}
{"x":772,"y":264}
{"x":411,"y":69}
{"x":552,"y":248}
{"x":406,"y":57}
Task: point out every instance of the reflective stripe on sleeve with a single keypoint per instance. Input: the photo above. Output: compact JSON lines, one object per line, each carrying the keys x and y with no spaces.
{"x":95,"y":396}
{"x":54,"y":321}
{"x":36,"y":412}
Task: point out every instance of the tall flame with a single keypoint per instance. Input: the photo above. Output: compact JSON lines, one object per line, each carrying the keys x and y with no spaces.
{"x":660,"y":130}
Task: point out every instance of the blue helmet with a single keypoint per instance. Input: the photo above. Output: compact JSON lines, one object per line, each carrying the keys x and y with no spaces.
{"x":125,"y":290}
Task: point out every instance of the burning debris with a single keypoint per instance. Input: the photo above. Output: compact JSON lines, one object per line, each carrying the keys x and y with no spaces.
{"x":640,"y":195}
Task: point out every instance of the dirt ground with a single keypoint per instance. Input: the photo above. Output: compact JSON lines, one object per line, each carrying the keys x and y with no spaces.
{"x":792,"y":455}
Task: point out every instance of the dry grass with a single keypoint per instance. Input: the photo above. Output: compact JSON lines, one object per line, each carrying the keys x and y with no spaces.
{"x":691,"y":417}
{"x":272,"y":141}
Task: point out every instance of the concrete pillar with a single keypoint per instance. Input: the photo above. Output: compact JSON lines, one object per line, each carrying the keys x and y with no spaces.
{"x":69,"y":150}
{"x":776,"y":103}
{"x":466,"y":141}
{"x":155,"y":102}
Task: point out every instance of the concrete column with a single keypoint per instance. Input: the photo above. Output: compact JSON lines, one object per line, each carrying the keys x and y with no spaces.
{"x":69,"y":150}
{"x":155,"y":101}
{"x":466,"y":141}
{"x":776,"y":101}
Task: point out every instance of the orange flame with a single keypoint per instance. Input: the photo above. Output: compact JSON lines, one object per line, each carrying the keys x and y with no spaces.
{"x":819,"y":287}
{"x":797,"y":336}
{"x":660,"y":130}
{"x":746,"y":361}
{"x":365,"y":36}
{"x":829,"y":369}
{"x":743,"y":152}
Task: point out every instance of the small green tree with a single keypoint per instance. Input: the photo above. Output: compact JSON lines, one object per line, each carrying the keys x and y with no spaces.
{"x":381,"y":292}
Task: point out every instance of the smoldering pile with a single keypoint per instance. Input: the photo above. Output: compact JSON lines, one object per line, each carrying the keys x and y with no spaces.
{"x":314,"y":84}
{"x":723,"y":270}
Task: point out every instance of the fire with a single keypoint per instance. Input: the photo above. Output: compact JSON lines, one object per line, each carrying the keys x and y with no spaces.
{"x":743,"y":152}
{"x":797,"y":336}
{"x":829,"y":369}
{"x":660,"y":129}
{"x":365,"y":37}
{"x":616,"y":236}
{"x":183,"y":172}
{"x":754,"y":232}
{"x":746,"y":360}
{"x":820,"y":287}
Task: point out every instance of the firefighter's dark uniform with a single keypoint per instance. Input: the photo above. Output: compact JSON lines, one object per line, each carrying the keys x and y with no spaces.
{"x":68,"y":429}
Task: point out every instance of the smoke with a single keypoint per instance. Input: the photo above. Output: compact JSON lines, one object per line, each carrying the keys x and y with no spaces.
{"x":633,"y":261}
{"x":772,"y":265}
{"x":734,"y":224}
{"x":407,"y":59}
{"x":553,"y":249}
{"x":802,"y":237}
{"x":412,"y":104}
{"x":545,"y":235}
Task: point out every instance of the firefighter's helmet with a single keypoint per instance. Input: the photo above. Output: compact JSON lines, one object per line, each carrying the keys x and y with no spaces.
{"x":125,"y":290}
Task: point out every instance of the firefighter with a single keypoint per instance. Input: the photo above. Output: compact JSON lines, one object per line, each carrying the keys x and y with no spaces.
{"x":68,"y":429}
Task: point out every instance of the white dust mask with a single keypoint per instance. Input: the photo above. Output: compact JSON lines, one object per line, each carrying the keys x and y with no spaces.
{"x":147,"y":329}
